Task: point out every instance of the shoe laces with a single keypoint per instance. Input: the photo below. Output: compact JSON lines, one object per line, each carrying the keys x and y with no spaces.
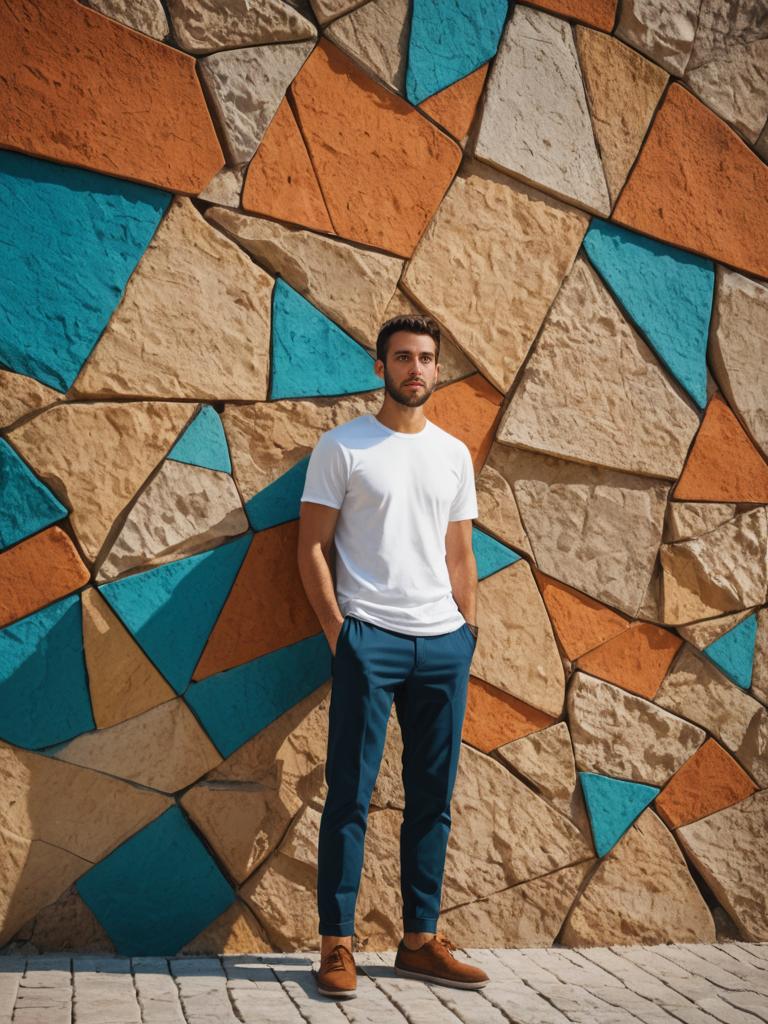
{"x":334,"y":961}
{"x":445,"y":941}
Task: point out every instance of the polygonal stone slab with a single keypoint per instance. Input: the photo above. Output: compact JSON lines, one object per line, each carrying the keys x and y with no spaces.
{"x":38,"y":571}
{"x":734,"y":650}
{"x":376,"y":36}
{"x":236,"y":931}
{"x":68,"y":924}
{"x":688,"y":519}
{"x":454,"y":108}
{"x":707,"y":782}
{"x":202,"y":26}
{"x":203,"y":443}
{"x":636,"y":660}
{"x":28,"y":505}
{"x":581,"y":623}
{"x":599,"y":13}
{"x":468,"y":409}
{"x":20,"y":396}
{"x":147,"y":16}
{"x":493,"y":717}
{"x":613,"y":805}
{"x":663,"y":32}
{"x":498,"y":509}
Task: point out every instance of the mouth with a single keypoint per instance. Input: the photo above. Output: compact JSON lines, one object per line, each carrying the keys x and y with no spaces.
{"x":414,"y":384}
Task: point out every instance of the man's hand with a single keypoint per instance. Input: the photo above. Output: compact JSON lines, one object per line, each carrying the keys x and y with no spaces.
{"x":332,"y":636}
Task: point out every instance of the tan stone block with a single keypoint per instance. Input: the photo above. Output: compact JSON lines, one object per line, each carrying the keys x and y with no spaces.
{"x":194,"y":321}
{"x":730,"y":849}
{"x":379,"y":909}
{"x":663,"y":32}
{"x":349,"y":284}
{"x":595,"y":529}
{"x":235,"y":931}
{"x":389,"y":792}
{"x":494,"y":295}
{"x":623,"y":90}
{"x":327,"y":10}
{"x":689,"y":519}
{"x":147,"y":16}
{"x":516,"y":649}
{"x":69,"y":924}
{"x":618,"y":734}
{"x":499,"y":514}
{"x":535,"y":122}
{"x":726,"y":570}
{"x":20,"y":396}
{"x":226,"y":187}
{"x":376,"y":35}
{"x":183,"y":510}
{"x":641,"y":893}
{"x":202,"y":26}
{"x":702,"y":634}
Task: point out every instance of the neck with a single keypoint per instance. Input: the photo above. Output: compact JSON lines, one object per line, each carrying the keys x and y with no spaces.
{"x":401,"y":417}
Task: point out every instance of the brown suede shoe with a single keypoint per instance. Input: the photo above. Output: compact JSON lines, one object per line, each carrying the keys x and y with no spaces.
{"x":337,"y":974}
{"x":434,"y":962}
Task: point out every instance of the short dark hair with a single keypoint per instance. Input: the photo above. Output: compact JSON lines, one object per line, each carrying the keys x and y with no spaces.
{"x":416,"y":323}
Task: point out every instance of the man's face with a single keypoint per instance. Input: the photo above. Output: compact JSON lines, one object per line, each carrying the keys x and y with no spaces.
{"x":411,"y":370}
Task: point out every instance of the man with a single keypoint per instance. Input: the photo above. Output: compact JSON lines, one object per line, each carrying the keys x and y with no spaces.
{"x":395,"y":495}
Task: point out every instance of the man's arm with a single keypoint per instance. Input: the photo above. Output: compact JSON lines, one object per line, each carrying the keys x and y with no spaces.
{"x":317,"y":525}
{"x":462,"y":567}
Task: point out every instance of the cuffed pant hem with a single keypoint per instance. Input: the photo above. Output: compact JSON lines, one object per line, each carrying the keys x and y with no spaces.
{"x":341,"y":928}
{"x":420,"y":924}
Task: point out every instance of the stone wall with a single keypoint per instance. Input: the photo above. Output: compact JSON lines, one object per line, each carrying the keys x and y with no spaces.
{"x":208,"y":207}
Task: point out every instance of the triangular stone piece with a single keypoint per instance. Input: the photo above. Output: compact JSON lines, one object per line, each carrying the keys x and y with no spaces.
{"x":280,"y":501}
{"x":376,"y":36}
{"x":581,"y":622}
{"x":613,"y":805}
{"x":27,"y":505}
{"x":203,"y":443}
{"x":490,"y":554}
{"x":636,"y":660}
{"x":734,"y":652}
{"x":454,"y":108}
{"x":206,"y":26}
{"x":38,"y":571}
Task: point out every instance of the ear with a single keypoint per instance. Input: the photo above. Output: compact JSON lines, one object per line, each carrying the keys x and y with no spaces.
{"x":378,"y":368}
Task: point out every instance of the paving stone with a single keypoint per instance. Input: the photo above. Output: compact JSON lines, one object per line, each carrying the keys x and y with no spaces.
{"x":103,"y":990}
{"x":454,"y":107}
{"x":709,"y":781}
{"x":636,"y":660}
{"x":92,"y":71}
{"x":254,"y":991}
{"x":535,"y":122}
{"x":28,"y":505}
{"x":663,"y":32}
{"x":688,"y":519}
{"x":202,"y":27}
{"x":376,"y":36}
{"x":493,"y":717}
{"x":38,"y":571}
{"x":203,"y":991}
{"x":508,"y":992}
{"x":413,"y":999}
{"x":20,"y":396}
{"x":147,"y":16}
{"x":156,"y":990}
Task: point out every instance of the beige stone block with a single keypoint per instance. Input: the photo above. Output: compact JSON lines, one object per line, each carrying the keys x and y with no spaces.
{"x":147,"y":16}
{"x":69,"y":924}
{"x":327,"y":10}
{"x":376,"y":36}
{"x":625,"y":414}
{"x":183,"y":510}
{"x":349,"y":284}
{"x":236,"y":931}
{"x":389,"y":792}
{"x":641,"y":894}
{"x":702,"y":634}
{"x":595,"y":529}
{"x":498,"y":509}
{"x":689,"y":519}
{"x":730,"y":849}
{"x":226,"y":187}
{"x":516,"y":649}
{"x":194,"y":321}
{"x":723,"y":571}
{"x":379,"y":909}
{"x":202,"y":26}
{"x":20,"y":396}
{"x":661,"y":29}
{"x":96,"y":456}
{"x":616,"y":733}
{"x":493,"y":295}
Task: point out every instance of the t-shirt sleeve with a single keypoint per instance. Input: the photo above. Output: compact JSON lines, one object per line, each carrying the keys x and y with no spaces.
{"x":326,"y":481}
{"x":464,"y":504}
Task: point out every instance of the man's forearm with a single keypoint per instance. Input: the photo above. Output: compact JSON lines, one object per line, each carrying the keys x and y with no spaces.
{"x":463,"y":576}
{"x":317,"y":580}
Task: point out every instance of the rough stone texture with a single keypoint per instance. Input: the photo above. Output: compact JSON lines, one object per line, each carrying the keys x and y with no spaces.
{"x":68,"y":924}
{"x":662,"y":31}
{"x":494,"y":295}
{"x":516,"y":649}
{"x":760,"y":669}
{"x":376,"y":35}
{"x":698,"y":186}
{"x":183,"y":510}
{"x":225,"y":187}
{"x":494,"y":717}
{"x":147,"y":16}
{"x":163,"y":748}
{"x":202,"y":26}
{"x":730,"y":849}
{"x":236,"y":931}
{"x":697,"y":690}
{"x":708,"y":782}
{"x":723,"y":571}
{"x":535,"y":122}
{"x":739,"y":321}
{"x":104,"y":97}
{"x":545,"y":760}
{"x":38,"y":571}
{"x":454,"y":108}
{"x":626,"y":413}
{"x":194,"y":321}
{"x":580,"y":622}
{"x":617,"y":734}
{"x":595,"y":529}
{"x":352,"y":286}
{"x":637,"y":660}
{"x":642,"y":892}
{"x":723,"y":464}
{"x":327,"y":10}
{"x":20,"y":396}
{"x":702,"y":634}
{"x":245,"y":87}
{"x":95,"y":457}
{"x":382,"y":195}
{"x":498,"y":510}
{"x":526,"y":915}
{"x":281,"y":181}
{"x":623,"y":90}
{"x":598,"y":13}
{"x":468,"y":409}
{"x":122,"y":680}
{"x":689,"y":519}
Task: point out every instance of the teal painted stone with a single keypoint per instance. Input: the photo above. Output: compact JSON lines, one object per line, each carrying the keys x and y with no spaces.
{"x":234,"y":705}
{"x":734,"y":652}
{"x":70,"y":240}
{"x":613,"y":805}
{"x":157,"y":891}
{"x":490,"y":554}
{"x":44,"y":695}
{"x":666,"y":292}
{"x":203,"y":443}
{"x":311,"y":355}
{"x":280,"y":501}
{"x":26,"y":504}
{"x":171,"y":609}
{"x":449,"y":40}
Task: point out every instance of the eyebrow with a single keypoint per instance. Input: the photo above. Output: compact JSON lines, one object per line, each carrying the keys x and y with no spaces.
{"x":407,"y":352}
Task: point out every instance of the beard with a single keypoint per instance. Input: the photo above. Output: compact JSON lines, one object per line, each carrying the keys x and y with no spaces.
{"x":403,"y":395}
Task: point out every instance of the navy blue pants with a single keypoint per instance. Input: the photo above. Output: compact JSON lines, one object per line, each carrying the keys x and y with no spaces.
{"x":427,"y":677}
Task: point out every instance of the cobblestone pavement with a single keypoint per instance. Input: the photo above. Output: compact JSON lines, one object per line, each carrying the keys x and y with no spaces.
{"x":696,"y":984}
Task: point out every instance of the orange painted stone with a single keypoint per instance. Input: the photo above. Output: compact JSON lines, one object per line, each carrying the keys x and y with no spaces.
{"x":637,"y":659}
{"x":469,"y":409}
{"x":494,"y":717}
{"x":723,"y":464}
{"x":698,"y":186}
{"x":37,"y":572}
{"x":382,"y":166}
{"x":707,"y":782}
{"x":266,"y":608}
{"x":580,"y":622}
{"x":281,"y":181}
{"x":82,"y":89}
{"x":453,"y":108}
{"x":598,"y":13}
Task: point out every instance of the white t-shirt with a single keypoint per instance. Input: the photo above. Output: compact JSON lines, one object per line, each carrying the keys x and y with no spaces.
{"x":397,"y":493}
